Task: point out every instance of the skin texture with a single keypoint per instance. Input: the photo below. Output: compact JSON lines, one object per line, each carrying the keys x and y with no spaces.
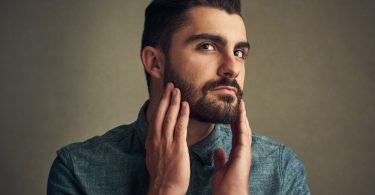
{"x":199,"y":59}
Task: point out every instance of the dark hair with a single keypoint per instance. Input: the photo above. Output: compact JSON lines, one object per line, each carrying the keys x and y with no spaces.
{"x":164,"y":17}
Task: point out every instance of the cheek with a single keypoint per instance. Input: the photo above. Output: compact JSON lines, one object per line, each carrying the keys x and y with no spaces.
{"x":197,"y":69}
{"x":241,"y":78}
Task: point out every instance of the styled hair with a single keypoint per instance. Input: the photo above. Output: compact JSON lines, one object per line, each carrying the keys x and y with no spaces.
{"x":164,"y":17}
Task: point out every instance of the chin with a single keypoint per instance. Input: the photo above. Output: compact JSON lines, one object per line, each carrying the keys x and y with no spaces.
{"x":224,"y":109}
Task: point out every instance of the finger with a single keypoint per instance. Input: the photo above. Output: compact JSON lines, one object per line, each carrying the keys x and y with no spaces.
{"x":236,"y":125}
{"x":250,"y":131}
{"x":159,"y":114}
{"x":240,"y":134}
{"x":234,"y":128}
{"x":219,"y":158}
{"x":182,"y":123}
{"x":243,"y":137}
{"x":171,"y":115}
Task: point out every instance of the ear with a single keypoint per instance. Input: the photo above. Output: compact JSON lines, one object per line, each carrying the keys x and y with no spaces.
{"x":152,"y":60}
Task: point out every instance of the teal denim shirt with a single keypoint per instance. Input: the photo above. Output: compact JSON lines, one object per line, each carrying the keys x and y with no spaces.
{"x":114,"y":163}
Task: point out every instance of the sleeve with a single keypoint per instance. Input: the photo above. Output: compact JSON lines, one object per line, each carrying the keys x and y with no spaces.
{"x":293,"y":174}
{"x":61,"y":180}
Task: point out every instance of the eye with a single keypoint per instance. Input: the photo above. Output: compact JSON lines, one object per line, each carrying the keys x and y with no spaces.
{"x":240,"y":53}
{"x":207,"y":46}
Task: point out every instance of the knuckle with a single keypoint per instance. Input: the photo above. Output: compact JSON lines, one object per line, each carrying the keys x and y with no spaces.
{"x":168,"y":119}
{"x":152,"y":143}
{"x":175,"y":102}
{"x":157,"y":114}
{"x":179,"y":126}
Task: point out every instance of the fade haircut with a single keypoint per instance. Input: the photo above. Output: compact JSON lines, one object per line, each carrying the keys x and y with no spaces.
{"x":164,"y":17}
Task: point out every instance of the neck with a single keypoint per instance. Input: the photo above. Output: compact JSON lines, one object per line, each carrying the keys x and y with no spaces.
{"x":196,"y":131}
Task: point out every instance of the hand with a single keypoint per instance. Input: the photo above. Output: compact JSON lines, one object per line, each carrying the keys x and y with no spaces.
{"x":232,"y":176}
{"x":167,"y":154}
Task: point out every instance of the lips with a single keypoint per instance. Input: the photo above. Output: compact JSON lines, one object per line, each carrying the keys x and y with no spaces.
{"x":225,"y":88}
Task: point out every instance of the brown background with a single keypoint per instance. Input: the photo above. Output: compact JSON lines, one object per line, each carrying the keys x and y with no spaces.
{"x":70,"y":69}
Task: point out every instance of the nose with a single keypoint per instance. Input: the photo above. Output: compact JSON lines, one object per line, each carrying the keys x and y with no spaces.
{"x":229,"y":66}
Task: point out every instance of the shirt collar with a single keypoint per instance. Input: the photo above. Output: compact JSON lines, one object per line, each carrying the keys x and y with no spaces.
{"x":220,"y":137}
{"x":141,"y":123}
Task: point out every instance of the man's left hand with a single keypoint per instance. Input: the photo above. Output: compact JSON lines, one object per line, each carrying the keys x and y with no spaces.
{"x":232,"y":176}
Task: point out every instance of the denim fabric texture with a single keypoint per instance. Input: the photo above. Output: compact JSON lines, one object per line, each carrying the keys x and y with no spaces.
{"x":114,"y":164}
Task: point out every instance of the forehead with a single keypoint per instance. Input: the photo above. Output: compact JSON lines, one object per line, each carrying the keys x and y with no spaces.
{"x":213,"y":21}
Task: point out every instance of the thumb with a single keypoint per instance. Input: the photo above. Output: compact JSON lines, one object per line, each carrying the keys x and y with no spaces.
{"x":219,"y":158}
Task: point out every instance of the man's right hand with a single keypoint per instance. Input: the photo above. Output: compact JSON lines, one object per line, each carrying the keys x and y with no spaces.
{"x":167,"y":154}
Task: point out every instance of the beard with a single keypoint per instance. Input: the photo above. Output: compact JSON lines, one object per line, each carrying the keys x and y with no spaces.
{"x":223,"y":109}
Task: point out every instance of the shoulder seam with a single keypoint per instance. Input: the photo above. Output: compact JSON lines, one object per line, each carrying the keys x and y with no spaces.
{"x":67,"y":159}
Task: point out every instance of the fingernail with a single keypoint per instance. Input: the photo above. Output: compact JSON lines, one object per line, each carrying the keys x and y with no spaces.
{"x":184,"y":104}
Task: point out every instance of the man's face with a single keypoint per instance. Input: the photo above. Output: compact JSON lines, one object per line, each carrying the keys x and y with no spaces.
{"x":206,"y":61}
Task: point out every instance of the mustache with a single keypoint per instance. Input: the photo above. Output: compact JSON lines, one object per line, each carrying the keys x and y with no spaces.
{"x":223,"y":82}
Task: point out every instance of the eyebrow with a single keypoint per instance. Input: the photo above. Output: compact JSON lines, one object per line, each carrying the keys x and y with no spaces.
{"x":216,"y":39}
{"x":243,"y":45}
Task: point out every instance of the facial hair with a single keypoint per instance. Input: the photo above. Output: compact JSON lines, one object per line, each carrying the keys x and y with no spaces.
{"x":202,"y":108}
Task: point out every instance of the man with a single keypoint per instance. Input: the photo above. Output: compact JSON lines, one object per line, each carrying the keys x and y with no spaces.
{"x":192,"y":136}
